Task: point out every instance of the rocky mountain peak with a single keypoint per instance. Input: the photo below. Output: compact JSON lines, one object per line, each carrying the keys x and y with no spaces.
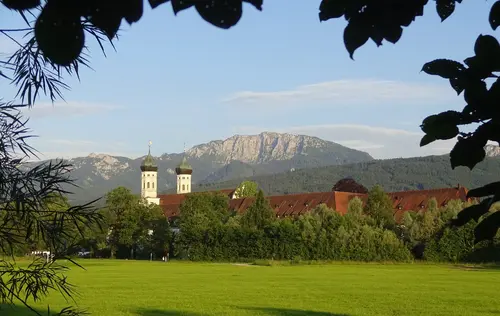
{"x":261,"y":148}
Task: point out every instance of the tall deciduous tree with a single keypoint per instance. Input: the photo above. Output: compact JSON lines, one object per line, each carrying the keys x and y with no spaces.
{"x":259,"y":214}
{"x":379,"y":207}
{"x":246,"y":189}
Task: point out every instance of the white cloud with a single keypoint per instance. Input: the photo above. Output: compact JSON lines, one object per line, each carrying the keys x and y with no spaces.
{"x":66,"y":148}
{"x":380,"y":142}
{"x":347,"y":92}
{"x":67,"y":109}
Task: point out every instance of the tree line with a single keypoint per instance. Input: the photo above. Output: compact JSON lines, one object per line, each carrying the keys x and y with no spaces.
{"x":206,"y":230}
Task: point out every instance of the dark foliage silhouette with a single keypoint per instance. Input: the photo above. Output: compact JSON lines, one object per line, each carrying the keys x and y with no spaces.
{"x":349,"y":185}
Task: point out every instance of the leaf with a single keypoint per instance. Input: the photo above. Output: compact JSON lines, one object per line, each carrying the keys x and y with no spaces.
{"x":467,"y":152}
{"x":473,"y":212}
{"x":487,"y":228}
{"x":355,"y":36}
{"x":486,"y":190}
{"x":105,"y":15}
{"x":393,"y":33}
{"x":21,"y":5}
{"x":179,"y":5}
{"x":486,"y":46}
{"x":331,"y":9}
{"x":494,"y":17}
{"x":427,"y":139}
{"x":221,"y":13}
{"x":475,"y":93}
{"x":59,"y":33}
{"x":445,"y":8}
{"x":457,"y":85}
{"x":444,"y":68}
{"x":443,"y":125}
{"x":256,"y":3}
{"x":132,"y":10}
{"x":156,"y":3}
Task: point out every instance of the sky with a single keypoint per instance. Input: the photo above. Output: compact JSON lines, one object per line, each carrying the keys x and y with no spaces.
{"x":178,"y":80}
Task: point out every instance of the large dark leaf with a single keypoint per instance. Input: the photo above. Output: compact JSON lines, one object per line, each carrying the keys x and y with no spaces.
{"x":467,"y":152}
{"x":331,"y":9}
{"x":356,"y":34}
{"x":392,"y":33}
{"x":132,"y":10}
{"x":427,"y":139}
{"x":494,"y":17}
{"x":256,"y":3}
{"x":59,"y":32}
{"x":473,"y":212}
{"x":487,"y":229}
{"x":443,"y":125}
{"x":21,"y":5}
{"x":445,"y":8}
{"x":179,"y":5}
{"x":486,"y":47}
{"x":476,"y":93}
{"x":155,"y":3}
{"x":458,"y":84}
{"x":106,"y":15}
{"x":220,"y":13}
{"x":444,"y":68}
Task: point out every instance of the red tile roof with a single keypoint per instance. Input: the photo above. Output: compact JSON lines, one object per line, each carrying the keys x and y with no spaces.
{"x":298,"y":204}
{"x":171,"y":203}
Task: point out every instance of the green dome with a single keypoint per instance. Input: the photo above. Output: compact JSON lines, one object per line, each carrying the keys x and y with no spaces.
{"x":149,"y":164}
{"x":184,"y":167}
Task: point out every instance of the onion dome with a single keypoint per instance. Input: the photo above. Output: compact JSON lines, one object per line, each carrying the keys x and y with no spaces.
{"x":149,"y":164}
{"x":184,"y":167}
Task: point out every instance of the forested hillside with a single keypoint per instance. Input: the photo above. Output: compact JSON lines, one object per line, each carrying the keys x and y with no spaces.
{"x":393,"y":174}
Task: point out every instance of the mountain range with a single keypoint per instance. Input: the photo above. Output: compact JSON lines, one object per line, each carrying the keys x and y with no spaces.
{"x":279,"y":163}
{"x":239,"y":156}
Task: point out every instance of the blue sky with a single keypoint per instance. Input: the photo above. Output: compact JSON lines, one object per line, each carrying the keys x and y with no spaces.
{"x":178,"y":79}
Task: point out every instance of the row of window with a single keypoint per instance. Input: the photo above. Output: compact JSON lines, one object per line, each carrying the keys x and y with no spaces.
{"x":147,"y":175}
{"x":184,"y":187}
{"x":144,"y":185}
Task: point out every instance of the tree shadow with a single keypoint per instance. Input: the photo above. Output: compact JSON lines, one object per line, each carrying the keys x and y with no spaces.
{"x":164,"y":312}
{"x":477,"y":267}
{"x":21,"y":310}
{"x":289,"y":312}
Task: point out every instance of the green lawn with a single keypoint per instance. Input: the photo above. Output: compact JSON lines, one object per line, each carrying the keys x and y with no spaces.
{"x":160,"y":289}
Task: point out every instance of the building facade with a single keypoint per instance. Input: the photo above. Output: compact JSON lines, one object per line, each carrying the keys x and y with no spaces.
{"x":289,"y":204}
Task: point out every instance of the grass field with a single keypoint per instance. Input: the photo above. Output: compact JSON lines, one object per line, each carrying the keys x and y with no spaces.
{"x":160,"y":289}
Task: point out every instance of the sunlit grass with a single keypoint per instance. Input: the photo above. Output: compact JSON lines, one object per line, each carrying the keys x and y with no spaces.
{"x":155,"y":288}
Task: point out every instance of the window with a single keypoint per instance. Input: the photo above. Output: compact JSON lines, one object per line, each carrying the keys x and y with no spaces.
{"x":144,"y":185}
{"x":153,"y":185}
{"x":183,"y":187}
{"x":179,"y":187}
{"x":183,"y":177}
{"x":148,"y":185}
{"x":187,"y":187}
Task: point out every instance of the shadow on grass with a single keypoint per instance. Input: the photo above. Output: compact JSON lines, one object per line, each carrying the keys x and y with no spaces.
{"x":163,"y":312}
{"x":271,"y":311}
{"x":261,"y":310}
{"x":477,"y":267}
{"x":21,"y":310}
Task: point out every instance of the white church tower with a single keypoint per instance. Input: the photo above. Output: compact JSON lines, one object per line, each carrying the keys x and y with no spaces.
{"x":184,"y":171}
{"x":149,"y":178}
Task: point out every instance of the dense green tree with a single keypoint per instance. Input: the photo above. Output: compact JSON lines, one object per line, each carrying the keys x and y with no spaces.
{"x":246,"y":189}
{"x":379,"y":207}
{"x":259,"y":214}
